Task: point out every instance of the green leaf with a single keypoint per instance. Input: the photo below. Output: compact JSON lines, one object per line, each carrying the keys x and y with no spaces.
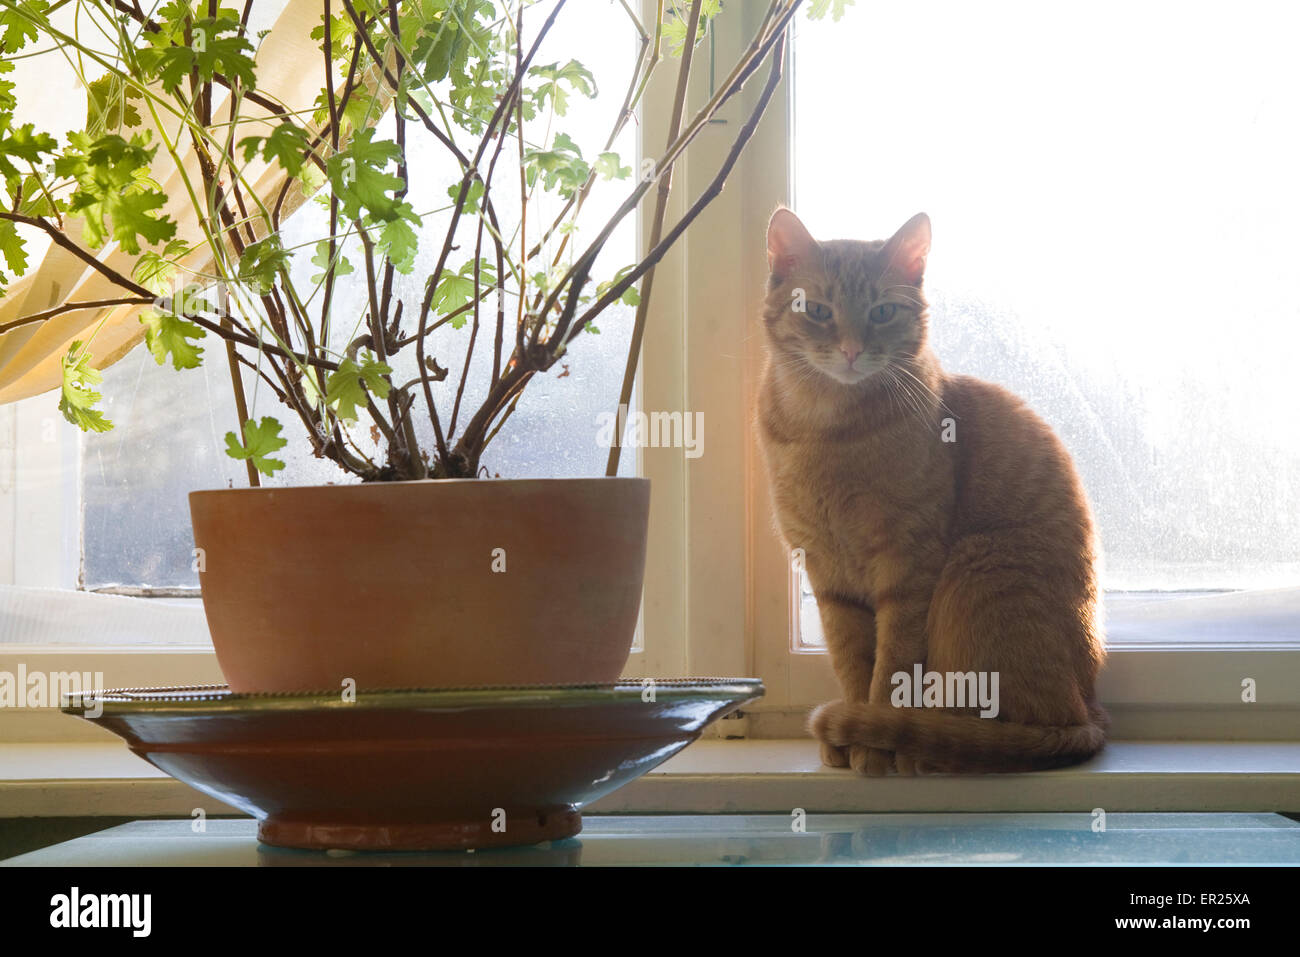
{"x":341,"y":30}
{"x":456,"y":289}
{"x":25,"y":144}
{"x":262,"y":263}
{"x":607,"y":165}
{"x":285,"y":144}
{"x":345,"y":389}
{"x":174,"y":15}
{"x":113,"y":187}
{"x":472,"y":196}
{"x":818,"y":8}
{"x":400,"y":244}
{"x":109,"y":105}
{"x":78,"y":393}
{"x":8,"y":102}
{"x":156,"y":271}
{"x":475,"y":93}
{"x":562,"y":167}
{"x":573,"y":73}
{"x":170,"y":335}
{"x":13,"y":247}
{"x":454,"y":40}
{"x":260,"y":440}
{"x":630,"y":295}
{"x":360,"y":181}
{"x":355,"y":112}
{"x":311,"y":391}
{"x":452,"y":292}
{"x":311,"y":179}
{"x":322,"y":259}
{"x":36,"y":202}
{"x":208,"y":51}
{"x":20,"y":20}
{"x":674,"y":27}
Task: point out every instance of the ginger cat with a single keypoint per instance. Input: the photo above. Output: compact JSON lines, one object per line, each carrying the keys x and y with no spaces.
{"x":943,"y":526}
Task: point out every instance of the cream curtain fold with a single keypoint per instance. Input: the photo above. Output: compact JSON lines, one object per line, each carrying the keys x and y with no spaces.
{"x":289,"y":65}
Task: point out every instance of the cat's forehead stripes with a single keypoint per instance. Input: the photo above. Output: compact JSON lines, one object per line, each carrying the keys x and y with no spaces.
{"x":852,"y":269}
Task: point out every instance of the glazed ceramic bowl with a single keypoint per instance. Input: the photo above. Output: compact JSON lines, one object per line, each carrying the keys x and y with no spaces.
{"x":419,"y":769}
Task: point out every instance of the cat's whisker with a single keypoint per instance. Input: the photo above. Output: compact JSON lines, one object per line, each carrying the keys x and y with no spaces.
{"x":895,"y":395}
{"x":908,"y":402}
{"x":920,"y":382}
{"x":937,"y":398}
{"x":923,"y":414}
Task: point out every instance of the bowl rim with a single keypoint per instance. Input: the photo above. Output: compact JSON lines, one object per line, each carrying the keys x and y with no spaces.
{"x":219,"y":699}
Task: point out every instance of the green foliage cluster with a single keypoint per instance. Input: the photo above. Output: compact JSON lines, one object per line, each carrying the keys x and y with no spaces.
{"x":462,"y":70}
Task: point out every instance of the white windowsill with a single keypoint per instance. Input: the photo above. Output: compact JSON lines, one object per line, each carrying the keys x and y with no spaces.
{"x":772,"y":776}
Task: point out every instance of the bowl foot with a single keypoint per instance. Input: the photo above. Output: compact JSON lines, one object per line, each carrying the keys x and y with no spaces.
{"x":515,"y":828}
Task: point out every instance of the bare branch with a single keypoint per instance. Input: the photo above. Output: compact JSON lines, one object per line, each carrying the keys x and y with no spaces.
{"x":73,"y":307}
{"x":88,"y":258}
{"x":709,"y":194}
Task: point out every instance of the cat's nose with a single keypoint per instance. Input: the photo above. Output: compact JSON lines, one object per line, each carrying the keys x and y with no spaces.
{"x":850,"y":351}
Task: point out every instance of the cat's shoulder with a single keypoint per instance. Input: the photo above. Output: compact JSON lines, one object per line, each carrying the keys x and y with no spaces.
{"x":992,"y":405}
{"x":969,"y":391}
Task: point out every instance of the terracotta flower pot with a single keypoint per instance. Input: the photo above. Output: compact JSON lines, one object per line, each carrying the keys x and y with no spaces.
{"x":441,"y":583}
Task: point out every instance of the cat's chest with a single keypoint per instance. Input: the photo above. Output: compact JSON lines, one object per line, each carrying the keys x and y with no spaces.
{"x":834,"y":503}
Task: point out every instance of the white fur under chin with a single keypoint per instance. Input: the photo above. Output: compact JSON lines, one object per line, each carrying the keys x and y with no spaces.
{"x":847,"y":376}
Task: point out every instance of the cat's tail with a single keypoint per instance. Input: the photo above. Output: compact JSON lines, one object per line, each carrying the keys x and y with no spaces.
{"x":959,"y":742}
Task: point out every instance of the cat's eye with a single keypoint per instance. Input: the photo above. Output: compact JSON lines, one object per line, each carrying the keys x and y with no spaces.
{"x":817,"y":312}
{"x":883,"y":312}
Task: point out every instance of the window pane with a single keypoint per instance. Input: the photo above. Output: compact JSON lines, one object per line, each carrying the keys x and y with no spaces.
{"x":1114,"y":201}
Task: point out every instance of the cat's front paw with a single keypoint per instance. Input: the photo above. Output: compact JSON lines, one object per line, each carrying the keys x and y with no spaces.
{"x":834,"y":757}
{"x":873,"y":762}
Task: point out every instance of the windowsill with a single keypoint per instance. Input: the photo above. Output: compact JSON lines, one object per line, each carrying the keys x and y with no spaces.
{"x":757,"y":776}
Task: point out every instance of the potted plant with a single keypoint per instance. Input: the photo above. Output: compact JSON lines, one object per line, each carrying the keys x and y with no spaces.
{"x":204,"y":135}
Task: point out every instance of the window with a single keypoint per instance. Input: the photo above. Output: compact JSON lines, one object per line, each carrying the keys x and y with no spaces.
{"x":1114,"y":207}
{"x":1112,"y":242}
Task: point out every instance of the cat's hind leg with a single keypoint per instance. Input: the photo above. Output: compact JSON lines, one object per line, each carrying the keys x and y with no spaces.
{"x":1014,"y":622}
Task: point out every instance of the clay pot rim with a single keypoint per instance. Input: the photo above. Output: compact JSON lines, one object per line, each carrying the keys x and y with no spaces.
{"x":438,"y":482}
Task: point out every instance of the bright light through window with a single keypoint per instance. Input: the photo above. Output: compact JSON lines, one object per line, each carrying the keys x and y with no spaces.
{"x":1115,"y":203}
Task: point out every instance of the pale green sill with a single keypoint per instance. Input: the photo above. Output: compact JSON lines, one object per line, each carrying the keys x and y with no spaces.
{"x":744,"y":776}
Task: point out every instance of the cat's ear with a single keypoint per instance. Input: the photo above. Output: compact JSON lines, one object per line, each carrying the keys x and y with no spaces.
{"x":788,"y":243}
{"x":908,"y":248}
